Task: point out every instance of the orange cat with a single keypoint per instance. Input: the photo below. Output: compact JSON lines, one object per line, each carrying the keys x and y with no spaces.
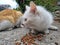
{"x":9,"y":18}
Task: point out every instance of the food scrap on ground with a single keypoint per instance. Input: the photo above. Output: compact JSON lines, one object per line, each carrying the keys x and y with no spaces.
{"x":29,"y":39}
{"x":17,"y":43}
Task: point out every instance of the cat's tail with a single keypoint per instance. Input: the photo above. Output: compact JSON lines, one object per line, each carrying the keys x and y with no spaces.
{"x":54,"y":28}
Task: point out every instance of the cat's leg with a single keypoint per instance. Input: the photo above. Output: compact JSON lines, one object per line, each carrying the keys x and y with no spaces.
{"x":46,"y":31}
{"x":31,"y":31}
{"x":53,"y":28}
{"x":36,"y":32}
{"x":5,"y":25}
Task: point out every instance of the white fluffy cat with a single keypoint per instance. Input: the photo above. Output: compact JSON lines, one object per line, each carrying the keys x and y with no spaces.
{"x":37,"y":17}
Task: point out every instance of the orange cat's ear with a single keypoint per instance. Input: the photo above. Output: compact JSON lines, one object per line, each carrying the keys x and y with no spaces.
{"x":32,"y":7}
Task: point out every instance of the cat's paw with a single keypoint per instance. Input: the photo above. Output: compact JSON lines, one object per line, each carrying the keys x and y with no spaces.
{"x":32,"y":31}
{"x":46,"y":31}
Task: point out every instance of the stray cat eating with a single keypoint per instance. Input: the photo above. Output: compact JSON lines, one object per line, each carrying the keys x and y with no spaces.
{"x":38,"y":18}
{"x":9,"y":18}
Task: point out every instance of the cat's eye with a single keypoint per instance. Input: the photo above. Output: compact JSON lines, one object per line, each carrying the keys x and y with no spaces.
{"x":25,"y":19}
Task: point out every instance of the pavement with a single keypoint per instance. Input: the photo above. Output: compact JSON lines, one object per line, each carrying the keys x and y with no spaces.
{"x":9,"y":37}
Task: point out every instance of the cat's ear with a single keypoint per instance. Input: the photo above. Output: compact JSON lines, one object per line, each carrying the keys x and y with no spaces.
{"x":32,"y":7}
{"x":26,"y":7}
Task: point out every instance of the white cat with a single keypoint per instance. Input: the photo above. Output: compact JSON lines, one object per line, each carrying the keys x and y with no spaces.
{"x":37,"y":17}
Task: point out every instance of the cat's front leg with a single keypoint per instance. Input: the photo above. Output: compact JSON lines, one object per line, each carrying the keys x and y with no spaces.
{"x":31,"y":31}
{"x":46,"y":31}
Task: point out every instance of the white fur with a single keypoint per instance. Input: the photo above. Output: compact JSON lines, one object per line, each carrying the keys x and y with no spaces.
{"x":6,"y":25}
{"x":12,"y":3}
{"x":18,"y":22}
{"x":41,"y":21}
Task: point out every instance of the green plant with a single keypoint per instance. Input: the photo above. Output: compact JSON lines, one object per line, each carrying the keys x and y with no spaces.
{"x":48,"y":4}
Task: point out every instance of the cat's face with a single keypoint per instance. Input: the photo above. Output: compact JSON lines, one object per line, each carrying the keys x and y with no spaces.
{"x":30,"y":16}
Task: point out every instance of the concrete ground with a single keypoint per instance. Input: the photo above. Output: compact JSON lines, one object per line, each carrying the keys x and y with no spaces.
{"x":9,"y":37}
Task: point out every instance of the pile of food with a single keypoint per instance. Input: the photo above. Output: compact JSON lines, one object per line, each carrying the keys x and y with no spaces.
{"x":30,"y":39}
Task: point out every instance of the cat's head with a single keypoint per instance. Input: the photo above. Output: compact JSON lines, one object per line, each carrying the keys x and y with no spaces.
{"x":31,"y":15}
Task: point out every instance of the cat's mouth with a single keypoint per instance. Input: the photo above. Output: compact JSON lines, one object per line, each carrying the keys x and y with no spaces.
{"x":28,"y":25}
{"x":22,"y":25}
